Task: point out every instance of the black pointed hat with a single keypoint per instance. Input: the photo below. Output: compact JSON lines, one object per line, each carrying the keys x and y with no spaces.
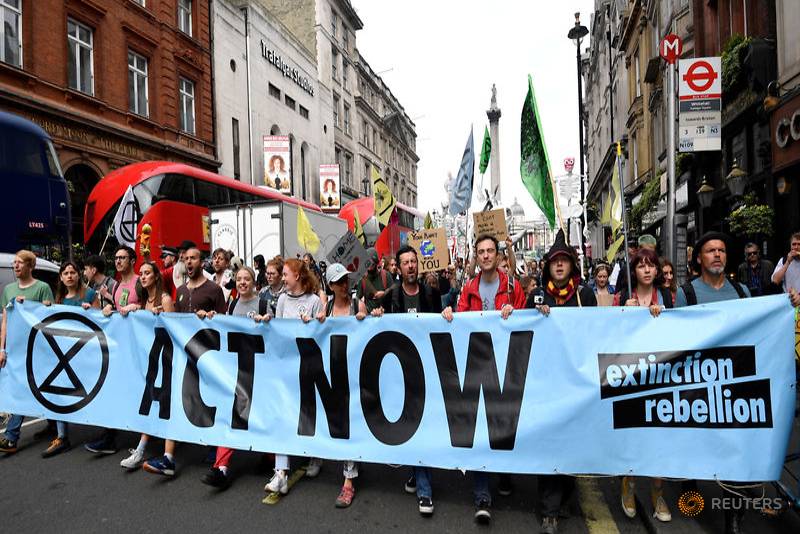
{"x":560,"y":247}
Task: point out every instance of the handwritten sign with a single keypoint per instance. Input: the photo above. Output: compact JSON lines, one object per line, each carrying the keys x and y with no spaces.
{"x":492,"y":222}
{"x":431,"y":247}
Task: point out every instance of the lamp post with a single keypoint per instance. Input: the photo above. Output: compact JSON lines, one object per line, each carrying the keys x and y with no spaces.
{"x":577,"y":33}
{"x":736,"y":180}
{"x":705,"y":196}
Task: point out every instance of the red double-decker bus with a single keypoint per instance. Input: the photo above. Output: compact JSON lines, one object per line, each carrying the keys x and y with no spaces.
{"x":389,"y":239}
{"x":173,"y":198}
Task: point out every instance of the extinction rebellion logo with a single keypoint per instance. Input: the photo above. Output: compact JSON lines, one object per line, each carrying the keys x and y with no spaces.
{"x":699,"y":388}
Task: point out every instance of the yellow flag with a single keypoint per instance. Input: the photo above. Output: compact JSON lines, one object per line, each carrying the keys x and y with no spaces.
{"x":616,"y":207}
{"x":384,"y":200}
{"x":428,"y":221}
{"x":358,"y":229}
{"x":612,"y":250}
{"x":306,"y":237}
{"x":605,"y":217}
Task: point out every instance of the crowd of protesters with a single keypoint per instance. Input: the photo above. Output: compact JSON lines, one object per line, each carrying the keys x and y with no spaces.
{"x":493,"y":279}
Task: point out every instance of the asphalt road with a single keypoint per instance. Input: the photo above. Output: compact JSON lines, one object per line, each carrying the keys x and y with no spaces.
{"x":80,"y":492}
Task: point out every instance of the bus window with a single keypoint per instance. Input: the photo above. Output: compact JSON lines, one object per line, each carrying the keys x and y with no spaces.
{"x":208,"y":194}
{"x":243,"y":197}
{"x":22,"y":153}
{"x":177,"y":188}
{"x":146,"y":192}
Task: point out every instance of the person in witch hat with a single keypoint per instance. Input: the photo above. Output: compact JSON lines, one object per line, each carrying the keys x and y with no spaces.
{"x":561,"y":286}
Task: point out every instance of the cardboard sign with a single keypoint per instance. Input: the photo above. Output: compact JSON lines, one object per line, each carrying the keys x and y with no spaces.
{"x":491,"y":222}
{"x":351,"y":253}
{"x":431,"y":247}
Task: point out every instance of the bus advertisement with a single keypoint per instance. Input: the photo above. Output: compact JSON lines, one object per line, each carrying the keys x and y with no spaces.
{"x":38,"y":218}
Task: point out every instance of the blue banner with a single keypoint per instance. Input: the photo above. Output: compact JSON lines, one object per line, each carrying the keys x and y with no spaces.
{"x":702,"y":392}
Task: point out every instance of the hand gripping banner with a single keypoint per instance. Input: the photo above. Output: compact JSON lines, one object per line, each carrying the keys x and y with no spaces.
{"x":703,"y":392}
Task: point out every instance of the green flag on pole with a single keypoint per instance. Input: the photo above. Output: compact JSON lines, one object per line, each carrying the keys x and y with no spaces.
{"x":534,"y":165}
{"x":486,"y":150}
{"x":428,"y":224}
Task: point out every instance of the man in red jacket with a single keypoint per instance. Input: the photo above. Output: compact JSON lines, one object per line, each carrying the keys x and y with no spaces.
{"x":491,"y":290}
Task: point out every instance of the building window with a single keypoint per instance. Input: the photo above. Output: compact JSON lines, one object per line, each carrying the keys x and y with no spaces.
{"x":375,"y":140}
{"x":367,"y":176}
{"x":346,"y":119}
{"x":336,"y":111}
{"x":289,"y":101}
{"x":303,"y":112}
{"x":638,"y":76}
{"x":346,"y":39}
{"x":334,"y":63}
{"x":185,"y":16}
{"x":348,"y":169}
{"x":338,"y":156}
{"x":10,"y":32}
{"x":334,"y":23}
{"x":365,"y":132}
{"x":80,"y":61}
{"x":140,"y":2}
{"x":274,"y":92}
{"x":237,"y":169}
{"x":187,"y":106}
{"x":137,"y":84}
{"x":635,"y":158}
{"x":344,"y":73}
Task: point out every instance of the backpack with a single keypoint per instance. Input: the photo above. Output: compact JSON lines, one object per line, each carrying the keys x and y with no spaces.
{"x":691,"y":296}
{"x":263,"y":305}
{"x":666,"y":296}
{"x":353,"y":307}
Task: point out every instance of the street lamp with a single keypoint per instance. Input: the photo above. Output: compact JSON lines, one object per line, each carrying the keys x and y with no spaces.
{"x":577,"y":33}
{"x":705,"y":196}
{"x":736,"y":180}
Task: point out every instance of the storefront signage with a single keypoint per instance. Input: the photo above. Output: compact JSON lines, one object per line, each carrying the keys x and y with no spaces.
{"x":288,"y":71}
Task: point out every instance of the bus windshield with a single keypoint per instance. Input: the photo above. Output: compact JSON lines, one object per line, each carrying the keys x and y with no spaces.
{"x":24,"y":153}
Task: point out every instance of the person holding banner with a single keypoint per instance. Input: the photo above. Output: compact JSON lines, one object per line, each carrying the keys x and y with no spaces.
{"x":246,"y":304}
{"x":409,"y":296}
{"x":124,"y":300}
{"x":646,"y":292}
{"x":343,"y":304}
{"x":151,"y":291}
{"x":26,"y":288}
{"x":300,"y":301}
{"x":710,"y":257}
{"x":561,"y":287}
{"x":491,"y":289}
{"x":200,"y":296}
{"x":71,"y":291}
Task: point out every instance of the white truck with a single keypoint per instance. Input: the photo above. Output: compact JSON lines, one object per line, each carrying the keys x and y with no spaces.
{"x":269,"y":229}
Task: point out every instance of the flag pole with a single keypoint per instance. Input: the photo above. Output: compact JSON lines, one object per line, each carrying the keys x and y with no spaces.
{"x":624,"y":218}
{"x":108,"y":233}
{"x":557,"y":203}
{"x":466,"y":246}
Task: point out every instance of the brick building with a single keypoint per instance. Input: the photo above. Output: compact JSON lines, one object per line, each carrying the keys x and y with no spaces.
{"x":112,"y":81}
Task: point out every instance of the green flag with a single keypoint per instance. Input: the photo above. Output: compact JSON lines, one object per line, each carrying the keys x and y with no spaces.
{"x":534,"y":165}
{"x":428,"y":224}
{"x":486,"y":150}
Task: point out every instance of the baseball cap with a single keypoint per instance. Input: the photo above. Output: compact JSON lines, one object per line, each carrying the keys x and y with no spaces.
{"x":335,"y":272}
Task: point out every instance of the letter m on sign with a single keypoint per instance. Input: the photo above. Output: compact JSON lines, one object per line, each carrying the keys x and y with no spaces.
{"x":671,"y":48}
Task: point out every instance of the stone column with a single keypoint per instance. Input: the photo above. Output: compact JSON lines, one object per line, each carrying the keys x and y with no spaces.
{"x":494,"y":163}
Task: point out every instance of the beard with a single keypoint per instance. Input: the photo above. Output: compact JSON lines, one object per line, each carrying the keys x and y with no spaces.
{"x":716,"y":270}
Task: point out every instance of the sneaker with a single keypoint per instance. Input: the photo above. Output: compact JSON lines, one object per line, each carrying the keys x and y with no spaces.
{"x":134,"y":461}
{"x":160,"y":466}
{"x":345,"y":497}
{"x":628,"y":497}
{"x":505,"y":486}
{"x":279,"y":483}
{"x":411,"y":485}
{"x":216,"y":478}
{"x":49,"y":431}
{"x":482,"y":513}
{"x":57,"y":446}
{"x":661,"y":511}
{"x":8,"y":447}
{"x":313,"y":468}
{"x":549,"y":525}
{"x":105,"y":445}
{"x":425,"y":505}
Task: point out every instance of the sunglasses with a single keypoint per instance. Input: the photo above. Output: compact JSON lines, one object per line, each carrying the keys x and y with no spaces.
{"x":121,"y":258}
{"x":752,"y":253}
